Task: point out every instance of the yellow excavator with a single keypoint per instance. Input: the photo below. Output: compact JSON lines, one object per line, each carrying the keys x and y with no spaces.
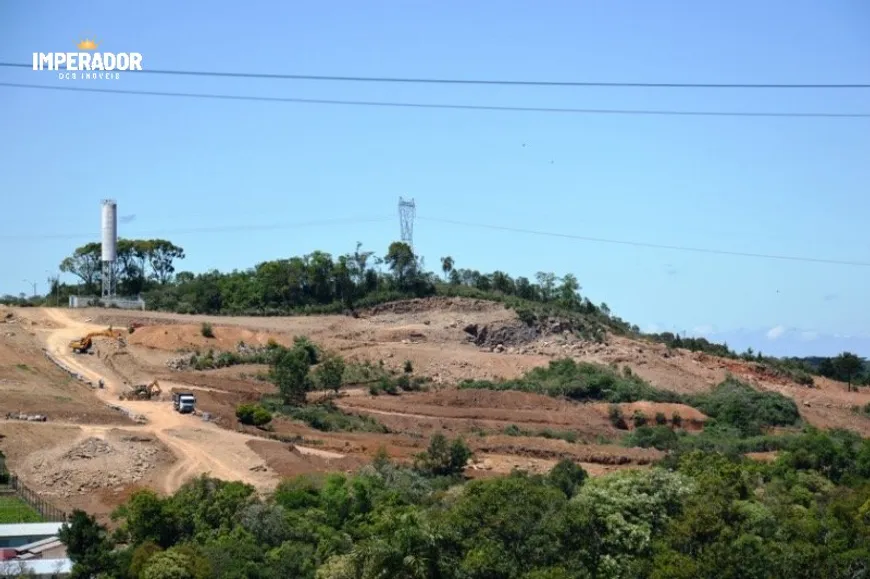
{"x":83,"y":345}
{"x":142,"y":392}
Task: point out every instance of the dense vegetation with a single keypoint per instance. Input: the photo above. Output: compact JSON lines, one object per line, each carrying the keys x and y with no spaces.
{"x":580,"y":381}
{"x":706,"y":516}
{"x":738,"y":404}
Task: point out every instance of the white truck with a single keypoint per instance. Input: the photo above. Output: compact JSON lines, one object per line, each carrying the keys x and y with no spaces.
{"x":183,"y":402}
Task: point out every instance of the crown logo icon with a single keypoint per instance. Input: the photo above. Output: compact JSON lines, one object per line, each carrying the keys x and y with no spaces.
{"x":87,"y":45}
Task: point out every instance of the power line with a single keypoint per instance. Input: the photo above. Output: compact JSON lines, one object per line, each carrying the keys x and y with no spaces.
{"x":648,"y":112}
{"x":455,"y":81}
{"x":650,"y":245}
{"x":214,"y":229}
{"x":280,"y":226}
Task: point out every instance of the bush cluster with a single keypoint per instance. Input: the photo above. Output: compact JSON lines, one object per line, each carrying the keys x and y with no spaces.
{"x":253,"y":414}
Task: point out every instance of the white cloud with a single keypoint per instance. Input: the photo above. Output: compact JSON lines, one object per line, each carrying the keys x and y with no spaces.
{"x":775,"y":332}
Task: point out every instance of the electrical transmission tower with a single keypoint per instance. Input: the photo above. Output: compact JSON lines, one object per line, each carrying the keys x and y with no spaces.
{"x":407,"y":212}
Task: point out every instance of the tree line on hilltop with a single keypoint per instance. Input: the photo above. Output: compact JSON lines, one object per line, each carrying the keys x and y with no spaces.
{"x":314,"y":283}
{"x":318,"y":283}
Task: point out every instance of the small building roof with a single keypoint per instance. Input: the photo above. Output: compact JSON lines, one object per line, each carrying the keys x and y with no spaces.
{"x":41,"y":545}
{"x":30,"y":530}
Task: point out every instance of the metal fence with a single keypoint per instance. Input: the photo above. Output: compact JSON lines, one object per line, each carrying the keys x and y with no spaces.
{"x":48,"y":511}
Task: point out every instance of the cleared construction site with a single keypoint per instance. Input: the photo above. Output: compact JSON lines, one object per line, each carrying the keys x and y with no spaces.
{"x":94,"y":383}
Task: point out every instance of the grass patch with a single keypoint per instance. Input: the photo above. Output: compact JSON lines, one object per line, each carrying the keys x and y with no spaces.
{"x":325,"y":416}
{"x":14,"y":510}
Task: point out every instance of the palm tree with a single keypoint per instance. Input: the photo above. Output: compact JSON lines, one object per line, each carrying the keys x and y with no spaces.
{"x":446,"y":266}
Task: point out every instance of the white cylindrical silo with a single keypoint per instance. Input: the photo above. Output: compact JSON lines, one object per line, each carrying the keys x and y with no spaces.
{"x":110,"y":230}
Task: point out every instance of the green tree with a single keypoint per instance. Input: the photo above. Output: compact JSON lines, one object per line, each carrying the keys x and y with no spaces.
{"x":567,"y":476}
{"x":162,"y":255}
{"x":147,"y":517}
{"x":168,"y":565}
{"x":131,"y":273}
{"x":443,"y":458}
{"x":330,"y":373}
{"x":140,"y":556}
{"x":569,"y":292}
{"x":546,"y":285}
{"x":848,"y":366}
{"x":87,"y":545}
{"x":289,"y":372}
{"x":402,"y":262}
{"x":85,"y":263}
{"x":446,"y":266}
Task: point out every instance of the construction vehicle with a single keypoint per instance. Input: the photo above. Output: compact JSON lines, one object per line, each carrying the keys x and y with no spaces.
{"x":183,"y":402}
{"x":83,"y":345}
{"x":142,"y":392}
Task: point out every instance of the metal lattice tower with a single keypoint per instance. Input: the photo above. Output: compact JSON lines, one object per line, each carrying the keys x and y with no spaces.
{"x":407,"y":213}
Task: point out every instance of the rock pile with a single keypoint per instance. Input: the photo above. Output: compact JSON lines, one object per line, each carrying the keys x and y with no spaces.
{"x":96,"y":463}
{"x":181,"y":362}
{"x":28,"y":417}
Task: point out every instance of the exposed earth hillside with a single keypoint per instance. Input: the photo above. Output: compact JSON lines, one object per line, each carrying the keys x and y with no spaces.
{"x":442,"y":340}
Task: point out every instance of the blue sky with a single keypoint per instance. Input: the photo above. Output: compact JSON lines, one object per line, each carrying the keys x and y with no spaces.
{"x":781,"y":186}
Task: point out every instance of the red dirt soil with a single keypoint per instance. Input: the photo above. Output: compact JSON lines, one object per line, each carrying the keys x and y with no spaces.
{"x":429,"y":333}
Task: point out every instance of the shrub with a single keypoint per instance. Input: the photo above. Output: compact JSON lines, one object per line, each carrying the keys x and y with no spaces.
{"x":206,"y":330}
{"x":580,"y":381}
{"x":661,"y":419}
{"x":565,"y":435}
{"x":261,"y":416}
{"x":614,"y":413}
{"x":676,"y":420}
{"x":312,"y":352}
{"x":639,"y":419}
{"x":408,"y":367}
{"x":737,"y":404}
{"x":443,"y":458}
{"x":804,"y":378}
{"x":253,"y":414}
{"x":403,"y":382}
{"x":659,"y":437}
{"x":513,"y":430}
{"x":389,"y":386}
{"x":526,"y":315}
{"x":329,"y":374}
{"x":329,"y":418}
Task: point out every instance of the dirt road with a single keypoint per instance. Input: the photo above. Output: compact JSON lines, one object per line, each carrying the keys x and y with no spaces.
{"x":199,"y":446}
